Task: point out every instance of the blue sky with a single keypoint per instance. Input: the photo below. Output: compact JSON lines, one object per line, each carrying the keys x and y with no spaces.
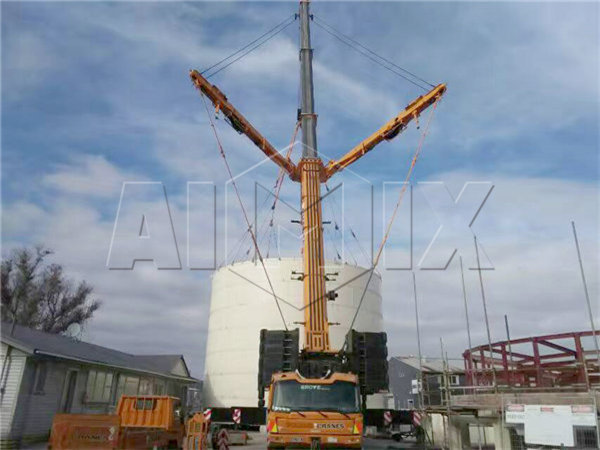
{"x":94,"y":94}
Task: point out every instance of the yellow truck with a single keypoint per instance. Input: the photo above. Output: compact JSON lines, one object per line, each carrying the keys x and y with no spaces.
{"x":140,"y":422}
{"x":314,"y":413}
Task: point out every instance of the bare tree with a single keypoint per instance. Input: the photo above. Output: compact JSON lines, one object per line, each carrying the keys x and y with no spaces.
{"x":38,"y":295}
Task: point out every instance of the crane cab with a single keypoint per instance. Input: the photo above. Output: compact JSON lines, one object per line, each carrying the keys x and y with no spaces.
{"x":314,"y":412}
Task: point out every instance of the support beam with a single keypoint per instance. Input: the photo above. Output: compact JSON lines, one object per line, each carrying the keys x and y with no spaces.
{"x":458,"y":433}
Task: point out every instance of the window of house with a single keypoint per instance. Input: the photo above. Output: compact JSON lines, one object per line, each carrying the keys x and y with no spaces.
{"x":131,"y":385}
{"x":99,"y":386}
{"x":127,"y":385}
{"x":39,"y":380}
{"x":455,"y":380}
{"x":145,"y":387}
{"x":159,"y":388}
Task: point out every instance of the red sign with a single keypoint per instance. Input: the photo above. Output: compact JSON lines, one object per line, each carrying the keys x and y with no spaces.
{"x":515,"y":408}
{"x":387,"y":417}
{"x":237,"y":415}
{"x":223,"y":439}
{"x":417,"y":418}
{"x":207,"y":414}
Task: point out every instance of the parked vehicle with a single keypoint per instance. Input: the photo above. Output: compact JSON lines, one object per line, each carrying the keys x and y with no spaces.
{"x":141,"y":422}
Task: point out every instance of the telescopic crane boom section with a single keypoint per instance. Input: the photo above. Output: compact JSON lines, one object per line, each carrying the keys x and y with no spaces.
{"x":387,"y":132}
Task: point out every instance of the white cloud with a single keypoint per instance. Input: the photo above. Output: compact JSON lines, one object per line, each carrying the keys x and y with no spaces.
{"x":525,"y":228}
{"x":89,"y":175}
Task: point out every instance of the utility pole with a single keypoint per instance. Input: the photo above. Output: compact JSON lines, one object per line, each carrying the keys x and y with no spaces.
{"x":464,"y":289}
{"x":420,"y":384}
{"x":307,"y":110}
{"x":510,"y":355}
{"x":587,"y":294}
{"x":487,"y":323}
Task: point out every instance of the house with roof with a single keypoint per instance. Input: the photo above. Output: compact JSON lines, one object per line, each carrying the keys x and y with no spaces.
{"x":411,"y":380}
{"x":43,"y":374}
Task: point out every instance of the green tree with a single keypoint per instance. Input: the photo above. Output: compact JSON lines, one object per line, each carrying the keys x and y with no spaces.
{"x":38,"y":295}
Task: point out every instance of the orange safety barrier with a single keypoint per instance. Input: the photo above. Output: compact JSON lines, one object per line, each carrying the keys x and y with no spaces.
{"x":149,"y":411}
{"x":97,"y":431}
{"x":196,"y":437}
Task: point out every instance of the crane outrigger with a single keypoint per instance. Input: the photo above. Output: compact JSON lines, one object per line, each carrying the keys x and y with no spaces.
{"x":318,"y":365}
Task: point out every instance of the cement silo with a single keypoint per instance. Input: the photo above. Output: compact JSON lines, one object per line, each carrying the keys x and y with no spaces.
{"x":242,"y":304}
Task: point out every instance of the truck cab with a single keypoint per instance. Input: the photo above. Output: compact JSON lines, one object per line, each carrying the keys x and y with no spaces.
{"x":314,"y":412}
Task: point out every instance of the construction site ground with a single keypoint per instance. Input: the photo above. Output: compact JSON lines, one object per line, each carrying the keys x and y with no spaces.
{"x":259,"y":440}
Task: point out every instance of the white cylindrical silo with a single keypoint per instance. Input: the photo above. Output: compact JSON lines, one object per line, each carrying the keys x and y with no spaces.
{"x":242,"y":304}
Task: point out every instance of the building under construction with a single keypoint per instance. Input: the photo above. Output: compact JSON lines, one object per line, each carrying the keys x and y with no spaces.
{"x":542,"y":389}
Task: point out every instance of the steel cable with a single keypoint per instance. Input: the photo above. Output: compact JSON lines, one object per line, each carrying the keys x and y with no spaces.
{"x":355,"y":45}
{"x":237,"y":193}
{"x":282,"y":26}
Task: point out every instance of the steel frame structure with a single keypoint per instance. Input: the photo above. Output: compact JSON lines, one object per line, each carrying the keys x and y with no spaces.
{"x":551,"y":361}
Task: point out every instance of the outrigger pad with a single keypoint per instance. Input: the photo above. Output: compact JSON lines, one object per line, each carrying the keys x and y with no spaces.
{"x":366,"y":354}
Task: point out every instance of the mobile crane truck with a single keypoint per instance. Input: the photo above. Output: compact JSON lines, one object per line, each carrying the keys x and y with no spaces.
{"x":316,"y":394}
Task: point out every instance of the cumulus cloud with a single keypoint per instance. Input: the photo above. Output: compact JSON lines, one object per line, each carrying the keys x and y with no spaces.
{"x":115,"y":104}
{"x":89,"y":175}
{"x":526,"y":230}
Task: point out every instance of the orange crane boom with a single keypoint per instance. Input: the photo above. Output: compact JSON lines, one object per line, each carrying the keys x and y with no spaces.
{"x":240,"y":124}
{"x":311,"y":172}
{"x":387,"y":132}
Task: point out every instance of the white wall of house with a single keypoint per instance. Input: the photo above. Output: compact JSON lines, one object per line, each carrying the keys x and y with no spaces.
{"x":12,"y":366}
{"x":38,"y":400}
{"x":180,"y":369}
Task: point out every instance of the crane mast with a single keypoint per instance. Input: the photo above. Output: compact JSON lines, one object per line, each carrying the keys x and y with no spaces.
{"x":307,"y":111}
{"x":311,"y":172}
{"x":316,"y":325}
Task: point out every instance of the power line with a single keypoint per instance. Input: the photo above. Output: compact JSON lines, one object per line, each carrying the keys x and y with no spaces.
{"x":368,"y":53}
{"x":249,"y":48}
